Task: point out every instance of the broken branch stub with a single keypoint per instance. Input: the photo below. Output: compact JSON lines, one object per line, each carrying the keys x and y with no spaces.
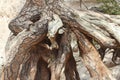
{"x":53,"y":27}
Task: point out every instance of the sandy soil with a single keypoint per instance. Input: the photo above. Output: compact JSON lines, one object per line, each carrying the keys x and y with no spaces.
{"x":4,"y":32}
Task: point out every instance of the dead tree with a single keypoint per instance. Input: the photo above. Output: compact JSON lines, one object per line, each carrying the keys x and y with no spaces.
{"x":39,"y":47}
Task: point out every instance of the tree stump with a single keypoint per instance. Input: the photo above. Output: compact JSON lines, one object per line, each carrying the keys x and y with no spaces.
{"x":39,"y":47}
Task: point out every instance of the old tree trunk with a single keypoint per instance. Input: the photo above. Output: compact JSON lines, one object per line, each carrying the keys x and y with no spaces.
{"x":39,"y":46}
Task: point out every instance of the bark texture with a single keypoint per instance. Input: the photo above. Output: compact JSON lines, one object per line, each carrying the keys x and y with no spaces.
{"x":39,"y":45}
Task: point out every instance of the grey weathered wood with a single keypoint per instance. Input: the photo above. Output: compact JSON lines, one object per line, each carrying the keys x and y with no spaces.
{"x":80,"y":20}
{"x":29,"y":43}
{"x":89,"y":54}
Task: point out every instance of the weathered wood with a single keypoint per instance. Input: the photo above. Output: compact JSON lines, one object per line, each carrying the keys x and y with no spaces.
{"x":104,"y":23}
{"x":87,"y":22}
{"x":53,"y":27}
{"x":60,"y":66}
{"x":116,"y":56}
{"x":18,"y":51}
{"x":29,"y":56}
{"x":95,"y":66}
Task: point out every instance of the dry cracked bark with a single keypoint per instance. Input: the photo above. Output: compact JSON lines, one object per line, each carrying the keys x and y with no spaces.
{"x":32,"y":54}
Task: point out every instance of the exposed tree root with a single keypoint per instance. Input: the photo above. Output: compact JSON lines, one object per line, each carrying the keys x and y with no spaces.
{"x":37,"y":50}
